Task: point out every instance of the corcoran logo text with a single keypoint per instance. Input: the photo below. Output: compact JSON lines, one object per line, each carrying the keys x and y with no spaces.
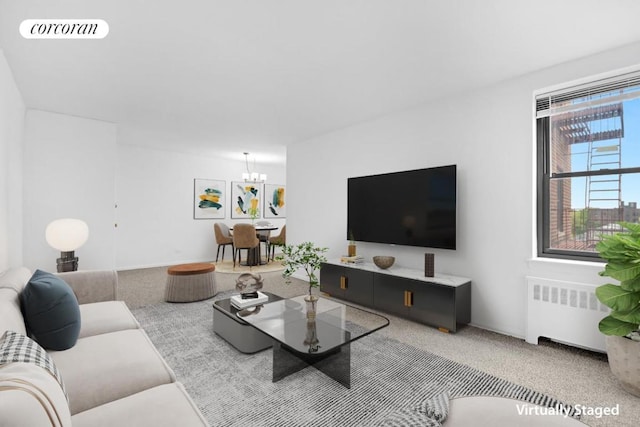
{"x":64,"y":29}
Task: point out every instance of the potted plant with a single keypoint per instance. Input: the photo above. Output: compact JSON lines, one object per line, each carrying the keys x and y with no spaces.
{"x":306,"y":256}
{"x":254,"y":211}
{"x":621,"y":251}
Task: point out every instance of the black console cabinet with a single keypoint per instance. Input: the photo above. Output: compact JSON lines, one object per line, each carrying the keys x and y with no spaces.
{"x":347,"y":283}
{"x":442,"y":301}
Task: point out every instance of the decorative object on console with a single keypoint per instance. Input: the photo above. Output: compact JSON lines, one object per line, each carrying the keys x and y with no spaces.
{"x":357,"y":259}
{"x":208,"y":199}
{"x":67,"y":235}
{"x":383,"y":262}
{"x":306,"y":256}
{"x":622,"y":325}
{"x":429,"y":265}
{"x":351,"y":249}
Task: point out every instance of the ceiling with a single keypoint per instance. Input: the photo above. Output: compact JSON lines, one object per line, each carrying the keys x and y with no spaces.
{"x":227,"y":76}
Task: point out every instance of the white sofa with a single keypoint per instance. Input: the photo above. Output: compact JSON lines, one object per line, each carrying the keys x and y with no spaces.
{"x":113,"y":375}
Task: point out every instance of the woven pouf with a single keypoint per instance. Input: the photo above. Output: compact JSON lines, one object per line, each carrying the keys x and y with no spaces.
{"x":190,"y":282}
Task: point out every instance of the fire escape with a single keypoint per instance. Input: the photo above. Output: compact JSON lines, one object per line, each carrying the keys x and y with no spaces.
{"x":601,"y":129}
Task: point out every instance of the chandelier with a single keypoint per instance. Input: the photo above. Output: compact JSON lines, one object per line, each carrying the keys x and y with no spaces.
{"x":249,"y":176}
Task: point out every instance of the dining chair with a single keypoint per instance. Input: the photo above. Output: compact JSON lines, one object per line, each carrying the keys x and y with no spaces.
{"x":264,"y":235}
{"x":244,"y":237}
{"x":223,"y":238}
{"x":279,"y":240}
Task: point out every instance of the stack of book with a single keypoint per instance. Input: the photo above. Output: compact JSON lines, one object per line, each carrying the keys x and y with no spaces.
{"x":238,"y":302}
{"x":357,"y":259}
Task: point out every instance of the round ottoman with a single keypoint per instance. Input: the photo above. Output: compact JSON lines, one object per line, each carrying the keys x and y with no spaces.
{"x":190,"y":282}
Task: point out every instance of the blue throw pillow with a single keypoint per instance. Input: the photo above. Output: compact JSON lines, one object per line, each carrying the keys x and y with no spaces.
{"x":50,"y":311}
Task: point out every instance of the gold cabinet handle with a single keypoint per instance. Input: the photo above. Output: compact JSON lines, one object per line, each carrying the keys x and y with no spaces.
{"x":408,"y":298}
{"x":343,"y":282}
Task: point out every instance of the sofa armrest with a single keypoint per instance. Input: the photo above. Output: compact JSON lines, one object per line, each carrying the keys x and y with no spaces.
{"x":92,"y":285}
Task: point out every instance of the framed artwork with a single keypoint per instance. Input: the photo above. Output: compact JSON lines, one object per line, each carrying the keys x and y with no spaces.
{"x":245,"y":200}
{"x":208,"y":198}
{"x":274,"y":201}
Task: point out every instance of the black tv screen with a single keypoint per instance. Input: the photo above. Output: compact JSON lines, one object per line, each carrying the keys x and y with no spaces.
{"x":413,"y":208}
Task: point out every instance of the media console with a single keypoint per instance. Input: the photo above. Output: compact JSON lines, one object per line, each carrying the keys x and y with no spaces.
{"x":442,"y":301}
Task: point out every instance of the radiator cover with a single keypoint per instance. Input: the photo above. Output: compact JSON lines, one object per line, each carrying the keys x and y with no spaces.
{"x":566,"y":312}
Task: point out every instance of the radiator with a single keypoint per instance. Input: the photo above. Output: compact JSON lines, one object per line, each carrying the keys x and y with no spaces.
{"x":566,"y":312}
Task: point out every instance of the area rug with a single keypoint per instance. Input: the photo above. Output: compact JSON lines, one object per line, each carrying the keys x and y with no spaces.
{"x":235,"y":389}
{"x":227,"y":267}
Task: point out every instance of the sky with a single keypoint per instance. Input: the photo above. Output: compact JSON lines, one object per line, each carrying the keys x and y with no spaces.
{"x":630,"y":158}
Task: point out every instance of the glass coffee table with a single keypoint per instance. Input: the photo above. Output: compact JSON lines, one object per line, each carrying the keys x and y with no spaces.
{"x":322,"y":342}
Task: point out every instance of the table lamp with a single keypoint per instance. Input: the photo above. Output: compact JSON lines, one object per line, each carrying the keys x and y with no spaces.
{"x":67,"y":235}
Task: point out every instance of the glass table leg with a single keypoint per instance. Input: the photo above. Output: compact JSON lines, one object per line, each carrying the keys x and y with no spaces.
{"x":335,"y":364}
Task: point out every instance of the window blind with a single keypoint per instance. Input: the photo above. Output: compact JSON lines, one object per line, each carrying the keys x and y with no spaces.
{"x":613,"y":89}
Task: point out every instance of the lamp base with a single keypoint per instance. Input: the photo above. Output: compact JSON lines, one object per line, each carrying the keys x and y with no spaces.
{"x":67,"y":262}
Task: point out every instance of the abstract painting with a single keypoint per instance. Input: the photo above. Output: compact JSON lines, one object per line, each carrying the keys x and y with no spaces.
{"x":245,"y":198}
{"x":274,"y":201}
{"x":208,"y":199}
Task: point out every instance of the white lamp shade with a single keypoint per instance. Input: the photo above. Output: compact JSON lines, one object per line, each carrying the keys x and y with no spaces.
{"x":67,"y":234}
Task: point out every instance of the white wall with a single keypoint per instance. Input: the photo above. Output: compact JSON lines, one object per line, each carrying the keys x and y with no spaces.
{"x":155,"y":205}
{"x":69,"y":172}
{"x":12,"y":112}
{"x":82,"y":168}
{"x":489,"y":135}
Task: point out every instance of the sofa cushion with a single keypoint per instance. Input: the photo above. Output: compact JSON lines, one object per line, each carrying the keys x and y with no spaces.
{"x":31,"y":396}
{"x":51,"y":311}
{"x":104,"y":317}
{"x":167,"y":405}
{"x":15,"y":278}
{"x":15,"y":347}
{"x":11,"y":284}
{"x":106,"y":367}
{"x":10,"y":315}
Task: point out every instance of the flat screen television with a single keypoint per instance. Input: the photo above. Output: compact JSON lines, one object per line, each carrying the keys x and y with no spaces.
{"x":412,"y":208}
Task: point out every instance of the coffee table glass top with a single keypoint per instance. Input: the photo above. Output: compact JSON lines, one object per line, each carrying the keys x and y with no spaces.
{"x":335,"y":324}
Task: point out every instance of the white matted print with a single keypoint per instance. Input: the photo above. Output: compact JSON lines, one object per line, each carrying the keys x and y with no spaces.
{"x":208,"y":198}
{"x":245,"y":200}
{"x":274,"y":201}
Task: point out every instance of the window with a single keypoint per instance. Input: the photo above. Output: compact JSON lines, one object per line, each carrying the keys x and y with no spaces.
{"x":588,"y":140}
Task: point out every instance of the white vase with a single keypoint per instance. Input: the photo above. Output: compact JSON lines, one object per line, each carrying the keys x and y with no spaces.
{"x":624,"y":360}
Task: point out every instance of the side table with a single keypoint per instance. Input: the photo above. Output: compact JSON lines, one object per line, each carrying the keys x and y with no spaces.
{"x":236,"y":331}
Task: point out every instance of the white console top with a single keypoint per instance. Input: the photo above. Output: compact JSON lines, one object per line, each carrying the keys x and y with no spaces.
{"x":408,"y":273}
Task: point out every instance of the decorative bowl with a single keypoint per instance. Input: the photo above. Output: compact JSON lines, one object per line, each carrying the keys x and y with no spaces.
{"x":384,"y":262}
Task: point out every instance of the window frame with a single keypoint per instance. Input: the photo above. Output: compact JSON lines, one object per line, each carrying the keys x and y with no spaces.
{"x":544,"y":174}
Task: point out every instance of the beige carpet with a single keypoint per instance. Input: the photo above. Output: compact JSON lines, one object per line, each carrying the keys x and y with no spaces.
{"x":227,"y":267}
{"x":146,"y":286}
{"x":566,"y":373}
